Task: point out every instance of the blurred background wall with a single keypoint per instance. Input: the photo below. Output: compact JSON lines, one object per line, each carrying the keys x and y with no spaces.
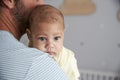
{"x":94,"y":38}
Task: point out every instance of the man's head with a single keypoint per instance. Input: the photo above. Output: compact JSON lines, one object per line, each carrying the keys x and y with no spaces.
{"x":46,"y":29}
{"x":20,"y":10}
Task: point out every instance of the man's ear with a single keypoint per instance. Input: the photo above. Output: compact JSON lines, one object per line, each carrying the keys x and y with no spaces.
{"x":29,"y":34}
{"x":9,"y":3}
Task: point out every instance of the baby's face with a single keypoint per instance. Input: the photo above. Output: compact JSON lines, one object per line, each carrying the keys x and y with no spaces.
{"x":48,"y":37}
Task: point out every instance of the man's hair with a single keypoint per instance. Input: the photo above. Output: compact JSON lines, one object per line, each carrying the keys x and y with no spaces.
{"x":1,"y":3}
{"x":46,"y":13}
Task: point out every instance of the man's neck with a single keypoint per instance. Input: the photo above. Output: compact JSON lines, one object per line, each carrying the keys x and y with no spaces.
{"x":9,"y":23}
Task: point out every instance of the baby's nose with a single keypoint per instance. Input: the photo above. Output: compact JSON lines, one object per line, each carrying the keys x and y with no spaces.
{"x":50,"y":44}
{"x":50,"y":50}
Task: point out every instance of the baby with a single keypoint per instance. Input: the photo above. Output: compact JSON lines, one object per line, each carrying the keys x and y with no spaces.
{"x":46,"y":33}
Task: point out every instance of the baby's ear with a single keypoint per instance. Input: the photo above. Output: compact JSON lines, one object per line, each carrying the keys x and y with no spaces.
{"x":29,"y":34}
{"x":9,"y":3}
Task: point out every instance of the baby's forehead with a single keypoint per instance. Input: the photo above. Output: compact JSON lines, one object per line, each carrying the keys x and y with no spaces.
{"x":41,"y":26}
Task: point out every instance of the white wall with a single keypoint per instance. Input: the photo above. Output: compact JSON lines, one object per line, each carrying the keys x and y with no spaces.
{"x":95,"y":38}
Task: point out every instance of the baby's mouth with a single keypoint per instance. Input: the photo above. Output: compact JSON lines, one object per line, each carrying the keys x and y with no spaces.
{"x":52,"y":53}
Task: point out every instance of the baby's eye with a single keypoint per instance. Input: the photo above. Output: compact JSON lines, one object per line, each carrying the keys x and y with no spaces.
{"x":57,"y":38}
{"x":42,"y":38}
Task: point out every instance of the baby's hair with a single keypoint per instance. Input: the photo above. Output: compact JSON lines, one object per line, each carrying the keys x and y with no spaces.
{"x":46,"y":13}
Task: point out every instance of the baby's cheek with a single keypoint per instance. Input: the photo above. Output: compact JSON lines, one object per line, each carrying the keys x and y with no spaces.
{"x":59,"y":49}
{"x":42,"y":48}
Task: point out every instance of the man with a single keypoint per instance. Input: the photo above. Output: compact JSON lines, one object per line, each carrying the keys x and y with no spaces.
{"x":18,"y":62}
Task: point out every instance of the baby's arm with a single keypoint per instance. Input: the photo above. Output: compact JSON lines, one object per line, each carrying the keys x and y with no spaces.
{"x":75,"y":67}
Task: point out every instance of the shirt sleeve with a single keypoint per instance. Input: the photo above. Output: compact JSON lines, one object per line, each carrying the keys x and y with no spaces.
{"x":69,"y":64}
{"x":45,"y":68}
{"x":74,"y":68}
